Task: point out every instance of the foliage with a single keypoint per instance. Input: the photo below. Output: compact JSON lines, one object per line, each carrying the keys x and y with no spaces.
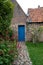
{"x":35,"y":33}
{"x":6,"y":12}
{"x":8,"y":52}
{"x":11,"y":35}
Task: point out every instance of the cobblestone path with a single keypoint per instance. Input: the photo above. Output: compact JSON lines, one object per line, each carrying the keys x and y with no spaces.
{"x":23,"y":57}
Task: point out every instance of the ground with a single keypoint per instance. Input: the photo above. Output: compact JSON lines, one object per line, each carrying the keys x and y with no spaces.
{"x":35,"y":52}
{"x":23,"y":56}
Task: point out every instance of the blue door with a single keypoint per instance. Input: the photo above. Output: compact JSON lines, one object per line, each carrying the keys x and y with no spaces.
{"x":21,"y":33}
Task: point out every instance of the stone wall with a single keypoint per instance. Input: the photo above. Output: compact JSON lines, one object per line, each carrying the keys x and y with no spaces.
{"x":19,"y":18}
{"x":33,"y":25}
{"x":15,"y":29}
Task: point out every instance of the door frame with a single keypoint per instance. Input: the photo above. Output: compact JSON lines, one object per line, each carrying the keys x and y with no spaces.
{"x":24,"y":27}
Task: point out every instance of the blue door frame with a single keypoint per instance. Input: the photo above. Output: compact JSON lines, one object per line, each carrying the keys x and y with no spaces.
{"x":21,"y":32}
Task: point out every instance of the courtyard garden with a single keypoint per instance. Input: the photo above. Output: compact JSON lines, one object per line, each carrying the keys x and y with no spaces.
{"x":9,"y":49}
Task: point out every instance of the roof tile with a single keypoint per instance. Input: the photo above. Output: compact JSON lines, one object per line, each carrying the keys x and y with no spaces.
{"x":36,"y":15}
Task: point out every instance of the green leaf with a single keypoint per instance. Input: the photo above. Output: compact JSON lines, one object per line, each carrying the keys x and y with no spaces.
{"x":6,"y":60}
{"x":1,"y":62}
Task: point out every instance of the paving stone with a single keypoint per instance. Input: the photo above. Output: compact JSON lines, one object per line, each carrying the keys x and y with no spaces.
{"x":23,"y":57}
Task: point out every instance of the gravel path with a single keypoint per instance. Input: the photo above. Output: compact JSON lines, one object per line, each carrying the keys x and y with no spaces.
{"x":23,"y":57}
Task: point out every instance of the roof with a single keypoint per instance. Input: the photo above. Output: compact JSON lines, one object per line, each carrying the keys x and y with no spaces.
{"x":18,"y":5}
{"x":36,"y":14}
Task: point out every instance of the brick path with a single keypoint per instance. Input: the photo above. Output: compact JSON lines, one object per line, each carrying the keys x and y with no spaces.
{"x":23,"y":57}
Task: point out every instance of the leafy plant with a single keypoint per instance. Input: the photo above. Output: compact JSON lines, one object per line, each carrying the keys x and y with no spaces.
{"x":8,"y":52}
{"x":35,"y":33}
{"x":6,"y":13}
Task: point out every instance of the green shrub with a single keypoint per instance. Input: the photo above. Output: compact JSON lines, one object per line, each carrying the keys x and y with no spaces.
{"x":8,"y":52}
{"x":6,"y":13}
{"x":10,"y":33}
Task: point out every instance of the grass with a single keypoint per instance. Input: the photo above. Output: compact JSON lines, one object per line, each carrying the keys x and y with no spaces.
{"x":36,"y":52}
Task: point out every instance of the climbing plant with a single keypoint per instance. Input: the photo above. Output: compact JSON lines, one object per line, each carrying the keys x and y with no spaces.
{"x":36,"y":32}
